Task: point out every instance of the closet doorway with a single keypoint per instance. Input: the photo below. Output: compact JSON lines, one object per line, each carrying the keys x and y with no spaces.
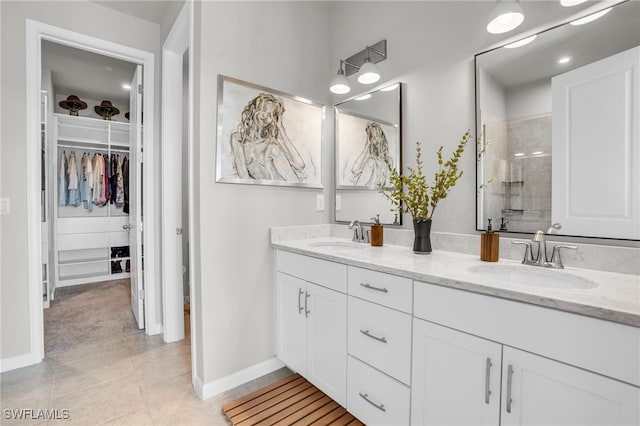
{"x":92,"y":134}
{"x":76,"y":240}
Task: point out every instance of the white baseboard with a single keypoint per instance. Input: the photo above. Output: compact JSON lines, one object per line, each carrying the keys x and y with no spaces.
{"x":207,"y":390}
{"x":8,"y":364}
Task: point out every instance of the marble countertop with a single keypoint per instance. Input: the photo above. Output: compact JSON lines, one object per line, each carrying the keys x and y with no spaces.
{"x":615,"y":298}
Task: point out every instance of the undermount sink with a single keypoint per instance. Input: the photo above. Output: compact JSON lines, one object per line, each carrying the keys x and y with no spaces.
{"x":338,"y":245}
{"x":533,"y":276}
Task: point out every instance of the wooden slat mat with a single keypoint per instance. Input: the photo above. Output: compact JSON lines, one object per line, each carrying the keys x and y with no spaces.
{"x":290,"y":401}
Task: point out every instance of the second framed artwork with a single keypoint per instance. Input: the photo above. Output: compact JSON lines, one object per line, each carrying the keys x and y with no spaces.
{"x":267,"y":137}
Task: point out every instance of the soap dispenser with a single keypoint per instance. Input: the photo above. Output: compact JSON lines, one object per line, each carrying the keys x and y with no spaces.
{"x":376,"y":231}
{"x":489,"y":245}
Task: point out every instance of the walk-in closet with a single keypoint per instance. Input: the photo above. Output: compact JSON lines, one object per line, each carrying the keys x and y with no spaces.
{"x":89,"y":192}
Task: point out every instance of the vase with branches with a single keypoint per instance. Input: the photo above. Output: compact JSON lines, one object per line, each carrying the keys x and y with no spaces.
{"x":412,"y":194}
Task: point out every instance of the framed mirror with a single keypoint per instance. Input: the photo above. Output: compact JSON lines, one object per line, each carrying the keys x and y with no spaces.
{"x":557,"y":124}
{"x":368,"y":135}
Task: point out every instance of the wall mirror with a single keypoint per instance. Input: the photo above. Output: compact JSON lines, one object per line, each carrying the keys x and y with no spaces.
{"x":368,"y":134}
{"x":557,"y":125}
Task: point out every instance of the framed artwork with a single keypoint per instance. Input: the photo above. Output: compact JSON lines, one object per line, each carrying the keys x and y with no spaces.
{"x":267,"y":137}
{"x":365,"y":145}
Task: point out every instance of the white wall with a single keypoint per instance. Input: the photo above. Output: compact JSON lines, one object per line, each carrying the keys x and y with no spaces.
{"x":80,"y":16}
{"x":530,"y":100}
{"x":282,"y":46}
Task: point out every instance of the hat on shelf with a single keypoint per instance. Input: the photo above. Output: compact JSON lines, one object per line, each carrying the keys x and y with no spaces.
{"x":73,"y":104}
{"x":106,"y":110}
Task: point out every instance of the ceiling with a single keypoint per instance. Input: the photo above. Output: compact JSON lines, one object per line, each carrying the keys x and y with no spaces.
{"x":149,"y":10}
{"x":86,"y":74}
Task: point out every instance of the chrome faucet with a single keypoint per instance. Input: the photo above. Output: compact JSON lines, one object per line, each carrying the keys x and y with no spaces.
{"x":541,"y":258}
{"x":360,"y":235}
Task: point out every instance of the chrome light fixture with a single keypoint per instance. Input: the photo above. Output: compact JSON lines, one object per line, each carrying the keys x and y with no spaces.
{"x":368,"y":71}
{"x":340,"y":84}
{"x":505,"y":16}
{"x":362,"y":63}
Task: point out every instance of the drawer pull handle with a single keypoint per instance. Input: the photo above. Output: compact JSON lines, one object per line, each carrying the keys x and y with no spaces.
{"x":370,"y":287}
{"x":306,"y":310}
{"x":299,"y":304}
{"x":487,"y":390}
{"x":379,"y":339}
{"x":509,"y":380}
{"x":365,"y":396}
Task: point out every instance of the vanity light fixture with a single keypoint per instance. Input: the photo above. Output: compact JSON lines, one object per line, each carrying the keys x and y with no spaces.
{"x":340,"y":84}
{"x":361,"y":63}
{"x":521,"y":43}
{"x":590,"y":18}
{"x":505,"y":16}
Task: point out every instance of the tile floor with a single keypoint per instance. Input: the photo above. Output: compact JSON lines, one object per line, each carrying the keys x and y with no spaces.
{"x":133,"y":380}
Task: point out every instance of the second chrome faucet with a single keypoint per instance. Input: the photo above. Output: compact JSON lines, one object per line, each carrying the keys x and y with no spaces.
{"x":541,"y":258}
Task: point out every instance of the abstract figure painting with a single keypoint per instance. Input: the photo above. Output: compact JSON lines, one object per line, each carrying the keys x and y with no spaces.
{"x":267,"y":137}
{"x":366,"y":147}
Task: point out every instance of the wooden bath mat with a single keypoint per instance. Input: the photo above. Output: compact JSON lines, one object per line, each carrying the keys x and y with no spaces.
{"x":290,"y":401}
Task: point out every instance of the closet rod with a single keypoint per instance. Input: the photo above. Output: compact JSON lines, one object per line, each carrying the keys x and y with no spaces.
{"x":86,"y":148}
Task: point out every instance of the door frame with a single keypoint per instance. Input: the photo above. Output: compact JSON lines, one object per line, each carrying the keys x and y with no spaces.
{"x":179,"y":40}
{"x":35,"y":32}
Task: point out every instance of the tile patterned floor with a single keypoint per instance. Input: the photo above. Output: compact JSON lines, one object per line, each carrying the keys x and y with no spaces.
{"x":136,"y":380}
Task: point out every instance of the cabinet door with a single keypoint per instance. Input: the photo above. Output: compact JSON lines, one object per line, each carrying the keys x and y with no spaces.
{"x":540,"y":391}
{"x":326,"y":312}
{"x":291,"y":323}
{"x":455,"y":379}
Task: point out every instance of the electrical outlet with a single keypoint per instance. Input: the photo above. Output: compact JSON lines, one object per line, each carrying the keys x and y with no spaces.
{"x":338,"y":203}
{"x":320,"y":203}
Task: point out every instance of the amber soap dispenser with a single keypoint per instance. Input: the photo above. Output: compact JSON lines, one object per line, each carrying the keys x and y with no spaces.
{"x":376,"y":232}
{"x":489,"y":245}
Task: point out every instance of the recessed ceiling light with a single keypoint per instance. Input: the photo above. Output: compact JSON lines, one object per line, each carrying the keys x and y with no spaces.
{"x":569,"y":3}
{"x":564,"y":60}
{"x":519,"y":154}
{"x":521,"y":43}
{"x":125,"y":86}
{"x":505,"y":16}
{"x":590,"y":18}
{"x":364,"y":97}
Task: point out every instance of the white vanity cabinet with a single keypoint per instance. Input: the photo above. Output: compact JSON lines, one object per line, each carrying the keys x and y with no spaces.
{"x":312,"y":321}
{"x":456,"y":375}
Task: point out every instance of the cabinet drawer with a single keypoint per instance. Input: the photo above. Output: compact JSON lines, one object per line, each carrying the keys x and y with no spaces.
{"x":374,"y":398}
{"x":385,"y":289}
{"x":381,"y":337}
{"x":327,"y":274}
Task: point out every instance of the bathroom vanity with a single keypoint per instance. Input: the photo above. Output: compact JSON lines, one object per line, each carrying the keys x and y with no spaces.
{"x":399,"y":338}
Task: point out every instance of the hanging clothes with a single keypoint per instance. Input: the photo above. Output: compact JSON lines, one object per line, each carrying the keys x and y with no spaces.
{"x":74,"y":193}
{"x":125,"y":184}
{"x":107,"y":186}
{"x":99,"y":171}
{"x":86,"y":182}
{"x":119,"y":181}
{"x":113,"y":178}
{"x":63,"y":180}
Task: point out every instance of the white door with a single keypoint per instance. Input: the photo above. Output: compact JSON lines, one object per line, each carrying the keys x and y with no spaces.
{"x":326,"y":314}
{"x":135,"y":198}
{"x":540,"y":391}
{"x":291,"y":333}
{"x":456,"y":377}
{"x":596,"y":148}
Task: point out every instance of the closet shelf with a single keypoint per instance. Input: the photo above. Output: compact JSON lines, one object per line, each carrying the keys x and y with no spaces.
{"x":82,"y":261}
